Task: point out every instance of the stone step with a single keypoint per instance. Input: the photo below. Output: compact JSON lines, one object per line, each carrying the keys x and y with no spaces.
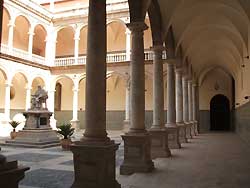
{"x":31,"y":145}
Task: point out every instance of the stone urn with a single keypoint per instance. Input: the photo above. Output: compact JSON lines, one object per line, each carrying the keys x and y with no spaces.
{"x":14,"y":125}
{"x":66,"y":131}
{"x":65,"y":143}
{"x":13,"y":134}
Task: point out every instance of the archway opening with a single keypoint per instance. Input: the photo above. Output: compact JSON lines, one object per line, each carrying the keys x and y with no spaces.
{"x":5,"y":27}
{"x":21,"y":36}
{"x":220,"y":113}
{"x":39,"y":43}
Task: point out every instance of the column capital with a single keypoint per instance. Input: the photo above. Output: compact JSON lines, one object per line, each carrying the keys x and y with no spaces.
{"x":137,"y":26}
{"x":127,"y":32}
{"x":7,"y":84}
{"x":31,"y":33}
{"x":178,"y":70}
{"x":75,"y":89}
{"x":157,"y":48}
{"x":76,"y":38}
{"x":171,"y":61}
{"x":28,"y":87}
{"x":11,"y":24}
{"x":52,"y":91}
{"x":195,"y":83}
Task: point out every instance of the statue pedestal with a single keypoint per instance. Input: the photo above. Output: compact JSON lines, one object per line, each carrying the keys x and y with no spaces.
{"x":37,"y":132}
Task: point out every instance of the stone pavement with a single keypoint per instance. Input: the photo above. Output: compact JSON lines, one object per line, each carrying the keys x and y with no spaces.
{"x":214,"y":160}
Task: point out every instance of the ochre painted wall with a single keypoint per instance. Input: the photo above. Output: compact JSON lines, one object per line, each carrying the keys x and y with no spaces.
{"x":215,"y":82}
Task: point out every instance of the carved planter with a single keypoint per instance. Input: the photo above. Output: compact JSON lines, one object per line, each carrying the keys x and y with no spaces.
{"x":66,"y":143}
{"x":13,"y":134}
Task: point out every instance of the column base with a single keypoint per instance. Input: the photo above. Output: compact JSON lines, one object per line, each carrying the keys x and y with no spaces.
{"x":137,"y":153}
{"x":192,"y":128}
{"x":173,"y":136}
{"x":188,"y":130}
{"x":182,"y":132}
{"x":159,"y":143}
{"x":11,"y":174}
{"x":53,"y":123}
{"x":196,"y":128}
{"x":75,"y":124}
{"x":126,"y":126}
{"x":94,"y":164}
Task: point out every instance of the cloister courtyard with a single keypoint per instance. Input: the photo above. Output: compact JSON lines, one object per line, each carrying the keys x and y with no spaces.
{"x":157,"y":92}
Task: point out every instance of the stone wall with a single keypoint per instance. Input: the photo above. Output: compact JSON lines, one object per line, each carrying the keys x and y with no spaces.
{"x":242,"y":121}
{"x":204,"y":123}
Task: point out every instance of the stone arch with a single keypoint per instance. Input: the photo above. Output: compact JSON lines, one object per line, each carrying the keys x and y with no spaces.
{"x":116,"y":37}
{"x":67,"y":84}
{"x":83,"y":40}
{"x":4,"y":72}
{"x":3,"y":81}
{"x":202,"y":75}
{"x":19,"y":82}
{"x":155,"y":22}
{"x":21,"y":30}
{"x":58,"y":78}
{"x":117,"y":20}
{"x":36,"y":81}
{"x":5,"y":27}
{"x":39,"y":40}
{"x":65,"y":42}
{"x":23,"y":73}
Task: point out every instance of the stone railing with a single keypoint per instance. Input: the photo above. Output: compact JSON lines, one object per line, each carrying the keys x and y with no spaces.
{"x":112,"y":57}
{"x":22,"y":54}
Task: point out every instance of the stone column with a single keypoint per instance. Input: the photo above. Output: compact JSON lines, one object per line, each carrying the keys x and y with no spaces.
{"x":194,"y":97}
{"x":126,"y":122}
{"x":7,"y":101}
{"x":190,"y":106}
{"x":28,"y":95}
{"x":159,"y":135}
{"x":185,"y":106}
{"x":52,"y":5}
{"x":172,"y":128}
{"x":179,"y":106}
{"x":94,"y":154}
{"x":30,"y":47}
{"x":75,"y":121}
{"x":51,"y":108}
{"x":137,"y":155}
{"x":128,"y":44}
{"x":11,"y":34}
{"x":76,"y":53}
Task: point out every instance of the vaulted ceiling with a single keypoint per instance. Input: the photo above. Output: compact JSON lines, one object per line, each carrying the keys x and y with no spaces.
{"x":208,"y":33}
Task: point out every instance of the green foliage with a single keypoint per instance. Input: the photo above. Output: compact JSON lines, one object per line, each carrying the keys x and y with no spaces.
{"x":65,"y":130}
{"x":14,"y":124}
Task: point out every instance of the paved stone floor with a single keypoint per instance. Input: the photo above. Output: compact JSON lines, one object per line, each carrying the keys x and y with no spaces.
{"x":214,"y":160}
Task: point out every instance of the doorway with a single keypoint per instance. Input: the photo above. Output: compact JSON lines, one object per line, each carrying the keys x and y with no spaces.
{"x":219,"y":113}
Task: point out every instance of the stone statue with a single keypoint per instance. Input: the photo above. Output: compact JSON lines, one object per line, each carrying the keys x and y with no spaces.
{"x":39,"y":98}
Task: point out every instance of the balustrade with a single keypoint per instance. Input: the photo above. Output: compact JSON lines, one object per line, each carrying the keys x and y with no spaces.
{"x":112,"y":57}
